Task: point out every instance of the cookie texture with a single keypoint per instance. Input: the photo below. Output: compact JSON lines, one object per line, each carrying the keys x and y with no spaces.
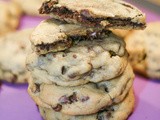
{"x":10,"y":14}
{"x":81,"y":100}
{"x":119,"y":111}
{"x":85,"y":61}
{"x":53,"y":36}
{"x":29,"y":7}
{"x":121,"y":33}
{"x":13,"y":51}
{"x":97,"y":13}
{"x":143,"y":47}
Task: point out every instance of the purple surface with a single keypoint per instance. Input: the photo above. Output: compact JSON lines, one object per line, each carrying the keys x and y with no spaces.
{"x":15,"y":103}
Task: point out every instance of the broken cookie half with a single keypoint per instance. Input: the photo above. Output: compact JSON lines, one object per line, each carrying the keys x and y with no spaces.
{"x":53,"y":36}
{"x":95,"y":13}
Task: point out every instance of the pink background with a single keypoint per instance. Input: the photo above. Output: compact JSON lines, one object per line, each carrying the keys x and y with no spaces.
{"x":15,"y":103}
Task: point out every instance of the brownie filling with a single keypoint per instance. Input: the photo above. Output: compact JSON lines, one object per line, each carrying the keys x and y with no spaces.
{"x":72,"y":39}
{"x":84,"y":16}
{"x":62,"y":44}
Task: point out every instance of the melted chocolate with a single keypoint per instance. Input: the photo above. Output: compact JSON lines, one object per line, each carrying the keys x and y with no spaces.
{"x":85,"y":17}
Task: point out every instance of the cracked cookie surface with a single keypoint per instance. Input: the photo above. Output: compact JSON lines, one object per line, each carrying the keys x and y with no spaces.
{"x":81,"y":100}
{"x":119,"y":111}
{"x":144,"y":47}
{"x":13,"y":51}
{"x":96,"y":13}
{"x":85,"y":61}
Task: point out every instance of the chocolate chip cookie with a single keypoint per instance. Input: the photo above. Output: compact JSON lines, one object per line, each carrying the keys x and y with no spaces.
{"x":144,"y":47}
{"x":29,"y":7}
{"x":119,"y":111}
{"x":81,"y":100}
{"x":95,"y":13}
{"x":53,"y":36}
{"x":9,"y":17}
{"x":13,"y":51}
{"x":86,"y":61}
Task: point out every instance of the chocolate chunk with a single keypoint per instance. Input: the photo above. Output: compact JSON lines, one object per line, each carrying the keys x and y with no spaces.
{"x":64,"y":70}
{"x":57,"y":108}
{"x":73,"y":98}
{"x":64,"y":100}
{"x":112,"y":53}
{"x":84,"y":98}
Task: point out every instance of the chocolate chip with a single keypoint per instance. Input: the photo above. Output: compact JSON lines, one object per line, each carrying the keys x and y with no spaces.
{"x":57,"y":108}
{"x":73,"y":75}
{"x":22,"y":47}
{"x":112,"y":53}
{"x":54,"y":55}
{"x":64,"y":100}
{"x":73,"y":98}
{"x":37,"y":88}
{"x":108,"y":114}
{"x":64,"y":70}
{"x":126,"y":5}
{"x":106,"y":89}
{"x":64,"y":55}
{"x":74,"y":56}
{"x":84,"y":98}
{"x":63,"y":10}
{"x":44,"y":55}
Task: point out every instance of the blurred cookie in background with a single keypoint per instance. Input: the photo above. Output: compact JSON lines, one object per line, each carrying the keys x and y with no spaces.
{"x":144,"y":47}
{"x":157,"y":2}
{"x":13,"y":51}
{"x":10,"y":14}
{"x":29,"y":7}
{"x":121,"y":33}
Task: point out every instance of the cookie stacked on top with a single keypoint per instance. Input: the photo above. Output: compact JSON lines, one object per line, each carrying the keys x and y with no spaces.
{"x":80,"y":69}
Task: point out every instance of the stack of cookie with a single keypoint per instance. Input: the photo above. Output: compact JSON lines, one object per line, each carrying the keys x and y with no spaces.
{"x":80,"y":69}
